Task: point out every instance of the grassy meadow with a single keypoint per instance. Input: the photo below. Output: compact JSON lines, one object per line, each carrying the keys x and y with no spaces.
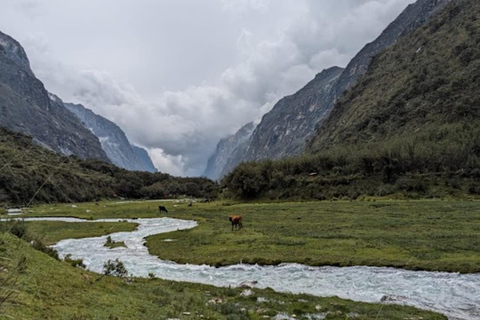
{"x":418,"y":235}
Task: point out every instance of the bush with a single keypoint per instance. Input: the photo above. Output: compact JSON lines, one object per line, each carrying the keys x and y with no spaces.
{"x":16,"y":227}
{"x":39,"y":245}
{"x":74,"y":262}
{"x":114,"y":268}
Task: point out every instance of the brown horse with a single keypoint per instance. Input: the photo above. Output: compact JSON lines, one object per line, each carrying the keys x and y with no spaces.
{"x":236,"y":222}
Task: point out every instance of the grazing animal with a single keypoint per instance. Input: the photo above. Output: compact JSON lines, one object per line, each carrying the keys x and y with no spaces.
{"x":162,"y":208}
{"x":190,"y":204}
{"x":206,"y":200}
{"x":236,"y":222}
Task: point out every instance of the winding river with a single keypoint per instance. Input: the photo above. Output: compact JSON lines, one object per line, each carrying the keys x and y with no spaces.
{"x":455,"y":295}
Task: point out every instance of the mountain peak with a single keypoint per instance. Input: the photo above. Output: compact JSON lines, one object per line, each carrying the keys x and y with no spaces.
{"x":14,"y":52}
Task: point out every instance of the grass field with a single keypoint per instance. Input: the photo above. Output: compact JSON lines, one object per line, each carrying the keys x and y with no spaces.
{"x":44,"y":288}
{"x":430,"y":234}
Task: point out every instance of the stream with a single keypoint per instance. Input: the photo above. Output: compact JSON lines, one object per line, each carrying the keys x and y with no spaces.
{"x":455,"y":295}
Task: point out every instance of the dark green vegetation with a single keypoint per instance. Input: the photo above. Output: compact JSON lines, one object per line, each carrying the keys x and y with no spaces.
{"x":417,"y":235}
{"x":26,"y":168}
{"x":39,"y":287}
{"x":410,"y":127}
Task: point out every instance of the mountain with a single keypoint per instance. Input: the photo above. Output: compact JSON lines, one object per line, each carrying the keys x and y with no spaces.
{"x":144,"y":158}
{"x":26,"y":107}
{"x":283,"y":131}
{"x":428,"y":80}
{"x":217,"y":162}
{"x":113,"y":140}
{"x":409,"y":127}
{"x":294,"y":119}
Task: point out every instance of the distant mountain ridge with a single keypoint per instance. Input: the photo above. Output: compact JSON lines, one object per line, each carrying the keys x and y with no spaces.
{"x":294,"y":119}
{"x":224,"y":151}
{"x":113,"y":140}
{"x":26,"y":107}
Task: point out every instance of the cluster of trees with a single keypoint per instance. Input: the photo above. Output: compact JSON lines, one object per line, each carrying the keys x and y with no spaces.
{"x":31,"y":174}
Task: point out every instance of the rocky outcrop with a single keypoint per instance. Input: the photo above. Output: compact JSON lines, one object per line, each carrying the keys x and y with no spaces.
{"x":26,"y":107}
{"x":113,"y":140}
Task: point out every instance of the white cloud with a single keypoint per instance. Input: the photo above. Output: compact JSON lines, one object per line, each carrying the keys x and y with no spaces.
{"x":177,"y":88}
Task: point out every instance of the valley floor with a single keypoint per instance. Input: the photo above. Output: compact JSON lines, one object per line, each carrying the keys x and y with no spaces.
{"x":36,"y":286}
{"x":429,"y":235}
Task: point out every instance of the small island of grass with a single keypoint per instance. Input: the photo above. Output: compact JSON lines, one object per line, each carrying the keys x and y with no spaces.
{"x":114,"y":244}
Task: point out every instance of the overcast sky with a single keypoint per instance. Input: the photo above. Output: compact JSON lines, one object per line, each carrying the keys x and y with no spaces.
{"x":178,"y":75}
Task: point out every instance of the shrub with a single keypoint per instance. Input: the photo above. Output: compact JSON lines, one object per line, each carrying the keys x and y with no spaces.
{"x":39,"y":245}
{"x":74,"y":262}
{"x":114,"y":268}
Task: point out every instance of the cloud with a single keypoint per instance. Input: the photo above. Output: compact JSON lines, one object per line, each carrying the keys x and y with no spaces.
{"x":269,"y":49}
{"x":241,"y":7}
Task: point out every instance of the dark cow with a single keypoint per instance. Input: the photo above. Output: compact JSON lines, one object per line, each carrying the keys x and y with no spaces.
{"x":162,"y":208}
{"x":236,"y":222}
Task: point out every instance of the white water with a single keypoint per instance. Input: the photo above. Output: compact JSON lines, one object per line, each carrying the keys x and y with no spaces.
{"x":455,"y":295}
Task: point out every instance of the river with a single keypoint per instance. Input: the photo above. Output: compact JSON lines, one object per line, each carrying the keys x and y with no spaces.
{"x":455,"y":295}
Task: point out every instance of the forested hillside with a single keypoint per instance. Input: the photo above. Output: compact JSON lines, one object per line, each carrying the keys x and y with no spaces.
{"x":410,"y":126}
{"x":29,"y":172}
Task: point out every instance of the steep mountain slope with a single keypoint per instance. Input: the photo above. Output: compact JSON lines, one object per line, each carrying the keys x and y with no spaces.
{"x":410,"y":126}
{"x":414,"y":16}
{"x":113,"y":140}
{"x":144,"y":158}
{"x":26,"y":168}
{"x":217,"y":162}
{"x":25,"y":106}
{"x":284,"y":130}
{"x":427,"y":80}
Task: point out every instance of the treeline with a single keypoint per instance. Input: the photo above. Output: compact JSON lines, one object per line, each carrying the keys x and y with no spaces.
{"x":436,"y":162}
{"x":30,"y":173}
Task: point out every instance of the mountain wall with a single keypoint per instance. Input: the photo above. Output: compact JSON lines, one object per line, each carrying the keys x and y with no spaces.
{"x":113,"y":140}
{"x":225,"y":148}
{"x":429,"y":81}
{"x":144,"y":158}
{"x":26,"y":107}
